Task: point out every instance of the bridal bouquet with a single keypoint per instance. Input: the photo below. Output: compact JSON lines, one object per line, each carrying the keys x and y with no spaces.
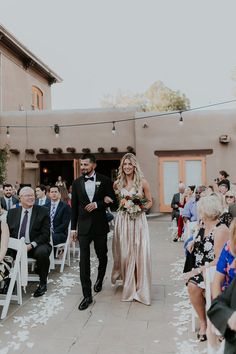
{"x":133,"y":205}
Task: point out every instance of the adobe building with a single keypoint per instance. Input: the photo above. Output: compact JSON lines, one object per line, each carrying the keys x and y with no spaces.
{"x":25,"y":81}
{"x":43,"y":143}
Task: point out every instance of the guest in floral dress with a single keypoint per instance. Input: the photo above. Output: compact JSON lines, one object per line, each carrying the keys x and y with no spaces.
{"x":206,"y":247}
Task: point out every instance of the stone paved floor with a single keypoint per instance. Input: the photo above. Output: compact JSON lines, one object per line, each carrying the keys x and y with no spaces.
{"x":53,"y":324}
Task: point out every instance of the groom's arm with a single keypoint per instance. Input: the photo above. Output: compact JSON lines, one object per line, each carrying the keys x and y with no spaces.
{"x":108,"y":192}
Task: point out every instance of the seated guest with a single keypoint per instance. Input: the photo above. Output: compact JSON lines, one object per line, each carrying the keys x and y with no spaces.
{"x":8,"y":200}
{"x":176,"y":200}
{"x":60,"y":215}
{"x":228,"y":200}
{"x":42,"y":198}
{"x":187,"y":196}
{"x":223,"y":186}
{"x":32,"y":222}
{"x":206,"y":247}
{"x":222,"y":314}
{"x":226,"y":265}
{"x":223,"y":175}
{"x":190,"y":208}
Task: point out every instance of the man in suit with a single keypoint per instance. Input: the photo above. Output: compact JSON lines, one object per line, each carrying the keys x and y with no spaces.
{"x":222,"y":314}
{"x":42,"y":198}
{"x":32,"y":222}
{"x":8,"y":200}
{"x":176,"y":201}
{"x":60,"y":215}
{"x":89,"y":214}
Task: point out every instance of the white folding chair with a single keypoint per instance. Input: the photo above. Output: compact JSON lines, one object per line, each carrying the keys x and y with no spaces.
{"x":209,"y":276}
{"x":173,"y":228}
{"x":32,"y":262}
{"x":194,"y":319}
{"x":213,"y":334}
{"x":32,"y":276}
{"x":65,"y":247}
{"x":74,"y":249}
{"x":15,"y":275}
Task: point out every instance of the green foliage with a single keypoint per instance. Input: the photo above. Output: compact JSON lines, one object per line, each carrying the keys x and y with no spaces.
{"x":3,"y":163}
{"x":158,"y":97}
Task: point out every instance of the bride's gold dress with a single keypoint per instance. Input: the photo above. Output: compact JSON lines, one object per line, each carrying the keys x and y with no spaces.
{"x":131,"y":254}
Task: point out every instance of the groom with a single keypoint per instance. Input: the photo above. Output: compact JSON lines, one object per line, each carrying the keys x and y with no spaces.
{"x":89,"y":216}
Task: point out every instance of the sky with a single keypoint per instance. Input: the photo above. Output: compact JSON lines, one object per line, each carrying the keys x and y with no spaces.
{"x":104,"y":47}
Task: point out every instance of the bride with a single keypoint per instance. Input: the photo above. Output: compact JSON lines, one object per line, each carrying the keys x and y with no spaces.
{"x":131,"y":248}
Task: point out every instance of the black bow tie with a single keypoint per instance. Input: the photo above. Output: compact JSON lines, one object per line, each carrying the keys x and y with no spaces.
{"x":88,"y":178}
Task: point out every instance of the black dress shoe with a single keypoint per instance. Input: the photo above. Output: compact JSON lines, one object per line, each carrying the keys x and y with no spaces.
{"x":201,"y":337}
{"x":4,"y":290}
{"x":41,"y":290}
{"x":85,"y":303}
{"x":98,"y":286}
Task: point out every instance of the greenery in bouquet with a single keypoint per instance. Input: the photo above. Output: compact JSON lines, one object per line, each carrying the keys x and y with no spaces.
{"x":132,"y":204}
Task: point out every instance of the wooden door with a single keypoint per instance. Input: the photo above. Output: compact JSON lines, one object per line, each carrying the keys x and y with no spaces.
{"x":190,"y":170}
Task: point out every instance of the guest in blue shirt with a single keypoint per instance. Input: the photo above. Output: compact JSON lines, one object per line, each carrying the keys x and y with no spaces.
{"x":190,"y":208}
{"x":226,"y":265}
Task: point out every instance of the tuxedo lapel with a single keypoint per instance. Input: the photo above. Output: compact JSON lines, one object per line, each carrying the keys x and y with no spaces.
{"x":97,"y":186}
{"x":83,"y":190}
{"x":60,"y":205}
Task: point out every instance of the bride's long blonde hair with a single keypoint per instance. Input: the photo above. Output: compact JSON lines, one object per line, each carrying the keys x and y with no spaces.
{"x":138,"y":175}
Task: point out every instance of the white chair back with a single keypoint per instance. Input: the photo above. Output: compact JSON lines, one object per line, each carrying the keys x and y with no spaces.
{"x":66,"y":251}
{"x":19,"y":267}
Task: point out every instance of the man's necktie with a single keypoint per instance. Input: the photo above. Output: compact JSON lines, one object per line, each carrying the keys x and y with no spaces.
{"x":88,"y":178}
{"x":40,"y":201}
{"x":24,"y":224}
{"x":52,"y":214}
{"x":9,"y":204}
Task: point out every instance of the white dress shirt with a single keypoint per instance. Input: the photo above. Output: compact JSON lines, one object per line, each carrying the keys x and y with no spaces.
{"x":90,"y":187}
{"x":42,"y":201}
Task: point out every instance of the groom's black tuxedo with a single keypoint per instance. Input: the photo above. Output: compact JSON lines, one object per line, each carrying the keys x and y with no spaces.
{"x":97,"y":219}
{"x":92,"y":226}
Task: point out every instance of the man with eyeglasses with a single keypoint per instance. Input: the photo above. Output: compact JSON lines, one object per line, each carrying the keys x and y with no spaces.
{"x":33,"y":223}
{"x":190,"y":208}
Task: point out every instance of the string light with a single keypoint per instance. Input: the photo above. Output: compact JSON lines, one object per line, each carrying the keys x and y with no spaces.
{"x":56,"y":130}
{"x":113,"y":129}
{"x":129,"y":119}
{"x":8,"y":133}
{"x":181,"y":121}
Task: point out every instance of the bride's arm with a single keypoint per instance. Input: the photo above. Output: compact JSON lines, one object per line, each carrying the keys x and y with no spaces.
{"x":147,"y":193}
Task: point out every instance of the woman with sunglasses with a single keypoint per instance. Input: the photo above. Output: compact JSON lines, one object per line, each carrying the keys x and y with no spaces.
{"x":227,"y":201}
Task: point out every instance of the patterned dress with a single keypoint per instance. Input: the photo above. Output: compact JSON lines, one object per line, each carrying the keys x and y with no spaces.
{"x":203,"y":252}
